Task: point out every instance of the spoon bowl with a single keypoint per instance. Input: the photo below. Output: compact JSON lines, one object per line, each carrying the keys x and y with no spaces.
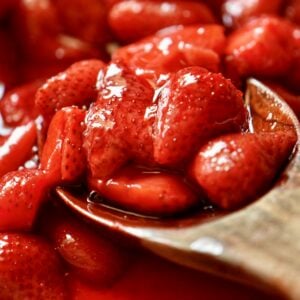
{"x":258,"y":244}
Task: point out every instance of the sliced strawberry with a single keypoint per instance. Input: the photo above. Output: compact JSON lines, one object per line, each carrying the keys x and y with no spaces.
{"x":17,"y":106}
{"x":21,"y":195}
{"x":132,"y":20}
{"x":173,"y":49}
{"x":75,"y":86}
{"x":263,"y":47}
{"x":237,"y":12}
{"x":17,"y":148}
{"x":194,"y":106}
{"x":86,"y":20}
{"x":147,"y":192}
{"x":62,"y":155}
{"x":117,"y":128}
{"x":227,"y":168}
{"x":29,"y":269}
{"x":91,"y":256}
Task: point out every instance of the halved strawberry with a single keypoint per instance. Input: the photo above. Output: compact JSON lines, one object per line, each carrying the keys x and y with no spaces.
{"x":17,"y":106}
{"x":236,"y":168}
{"x":133,"y":20}
{"x":237,"y":12}
{"x":29,"y":269}
{"x":263,"y":47}
{"x":17,"y":148}
{"x":148,"y":192}
{"x":21,"y":195}
{"x":90,"y":255}
{"x":62,"y":154}
{"x":117,"y":128}
{"x":173,"y":49}
{"x":194,"y":106}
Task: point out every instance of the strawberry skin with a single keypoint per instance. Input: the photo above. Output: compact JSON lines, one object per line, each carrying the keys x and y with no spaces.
{"x":263,"y":47}
{"x":17,"y":106}
{"x":21,"y":195}
{"x":194,"y":106}
{"x":17,"y":148}
{"x":133,"y":20}
{"x":237,"y":12}
{"x":147,"y":192}
{"x":75,"y":86}
{"x":116,"y":126}
{"x":236,"y":168}
{"x":174,"y":48}
{"x":62,"y":155}
{"x":29,"y":269}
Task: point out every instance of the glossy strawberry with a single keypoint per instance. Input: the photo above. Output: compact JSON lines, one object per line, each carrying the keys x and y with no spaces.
{"x":194,"y":106}
{"x":75,"y":86}
{"x":62,"y":155}
{"x":117,"y":128}
{"x":29,"y":269}
{"x":173,"y":49}
{"x":227,"y":168}
{"x":84,"y":19}
{"x":90,"y":255}
{"x":263,"y":47}
{"x":237,"y":12}
{"x":21,"y":195}
{"x":18,"y":105}
{"x":148,"y":192}
{"x":17,"y":148}
{"x":133,"y":20}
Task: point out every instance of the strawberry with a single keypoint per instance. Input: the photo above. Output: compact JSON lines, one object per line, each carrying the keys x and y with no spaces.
{"x":147,"y":192}
{"x":17,"y":106}
{"x":91,"y":256}
{"x":21,"y":195}
{"x":17,"y":148}
{"x":133,"y":20}
{"x":29,"y":269}
{"x":118,"y":127}
{"x":227,"y":168}
{"x":237,"y":12}
{"x":173,"y":49}
{"x":75,"y":86}
{"x":91,"y":13}
{"x":194,"y":106}
{"x":262,"y":47}
{"x":6,"y":6}
{"x":62,"y":154}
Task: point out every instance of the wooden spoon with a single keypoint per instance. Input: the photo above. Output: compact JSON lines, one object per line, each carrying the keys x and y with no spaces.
{"x":259,"y":244}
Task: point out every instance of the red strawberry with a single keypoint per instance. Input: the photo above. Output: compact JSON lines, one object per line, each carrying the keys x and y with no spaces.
{"x":75,"y":86}
{"x":194,"y":106}
{"x":6,"y":6}
{"x":236,"y":168}
{"x":117,"y":128}
{"x":237,"y":12}
{"x":132,"y":20}
{"x":91,"y":13}
{"x":21,"y":195}
{"x":29,"y":269}
{"x":17,"y":148}
{"x":90,"y":255}
{"x":173,"y":49}
{"x":17,"y":106}
{"x":147,"y":192}
{"x":62,"y":154}
{"x":263,"y":47}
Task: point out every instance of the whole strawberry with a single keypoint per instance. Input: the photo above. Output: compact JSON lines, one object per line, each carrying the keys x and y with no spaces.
{"x":29,"y":269}
{"x":236,"y":168}
{"x":194,"y":106}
